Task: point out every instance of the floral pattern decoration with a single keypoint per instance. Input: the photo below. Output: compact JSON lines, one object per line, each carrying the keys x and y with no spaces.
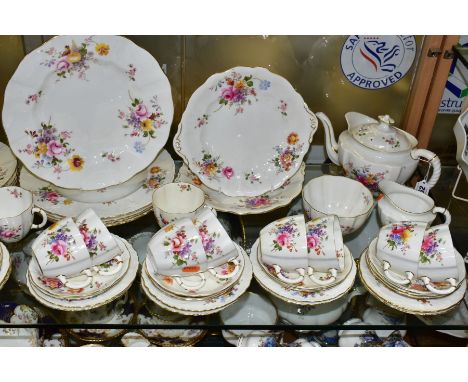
{"x":33,"y":98}
{"x":74,"y":59}
{"x":316,"y":234}
{"x":395,"y":143}
{"x":46,"y":194}
{"x":131,"y":72}
{"x":283,"y":108}
{"x":142,"y":120}
{"x":285,"y":234}
{"x":202,"y":121}
{"x":399,"y":236}
{"x":256,"y":201}
{"x":252,"y":178}
{"x":285,"y":156}
{"x":110,"y":156}
{"x":209,"y":241}
{"x":59,"y":242}
{"x":430,"y":248}
{"x":51,"y":148}
{"x":212,"y":167}
{"x":180,"y":246}
{"x":90,"y":237}
{"x":16,"y":194}
{"x":11,"y":233}
{"x":155,"y":178}
{"x":365,"y":175}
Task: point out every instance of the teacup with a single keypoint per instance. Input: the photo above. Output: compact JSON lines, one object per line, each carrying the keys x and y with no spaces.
{"x":250,"y":309}
{"x":398,"y":247}
{"x":401,"y":203}
{"x":283,"y":246}
{"x":17,"y":213}
{"x":100,"y":243}
{"x":437,"y":259}
{"x":174,"y":201}
{"x":217,"y":244}
{"x":61,"y":251}
{"x":177,"y":250}
{"x":325,"y":247}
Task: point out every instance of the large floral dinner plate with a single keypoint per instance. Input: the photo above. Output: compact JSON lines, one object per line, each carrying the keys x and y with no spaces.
{"x":160,"y":172}
{"x":87,"y":112}
{"x":247,"y":205}
{"x":245,"y":132}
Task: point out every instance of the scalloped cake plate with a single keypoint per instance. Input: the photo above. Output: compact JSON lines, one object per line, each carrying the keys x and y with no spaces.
{"x":87,"y":112}
{"x":245,"y":131}
{"x":247,"y":205}
{"x":7,"y":165}
{"x":160,"y":172}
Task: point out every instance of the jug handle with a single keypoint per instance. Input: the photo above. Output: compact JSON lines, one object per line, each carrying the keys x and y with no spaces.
{"x":433,"y":159}
{"x":443,"y":211}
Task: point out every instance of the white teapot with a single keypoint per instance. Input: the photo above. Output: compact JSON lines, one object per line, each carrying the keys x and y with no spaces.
{"x":371,"y":151}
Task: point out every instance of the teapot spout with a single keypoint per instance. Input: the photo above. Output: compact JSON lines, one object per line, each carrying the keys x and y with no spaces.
{"x":330,"y":142}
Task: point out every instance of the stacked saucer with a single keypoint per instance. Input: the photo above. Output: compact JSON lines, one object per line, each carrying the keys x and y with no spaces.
{"x":8,"y":168}
{"x":414,"y":269}
{"x":304,"y":263}
{"x":243,"y":137}
{"x":194,"y":268}
{"x":80,"y":266}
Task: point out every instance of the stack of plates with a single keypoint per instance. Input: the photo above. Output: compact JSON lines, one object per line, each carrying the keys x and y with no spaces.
{"x":214,"y":296}
{"x":414,"y":298}
{"x":52,"y":293}
{"x":120,"y":211}
{"x":307,"y":293}
{"x":88,"y":126}
{"x":8,"y":162}
{"x":243,"y":137}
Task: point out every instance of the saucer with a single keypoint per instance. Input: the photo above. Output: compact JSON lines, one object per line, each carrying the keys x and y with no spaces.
{"x":96,"y":301}
{"x":213,"y":286}
{"x":208,"y":305}
{"x":5,"y":265}
{"x":421,"y":306}
{"x":300,"y":297}
{"x":307,"y":284}
{"x":119,"y":211}
{"x":244,"y":205}
{"x":53,"y":287}
{"x":417,"y":288}
{"x":8,"y":164}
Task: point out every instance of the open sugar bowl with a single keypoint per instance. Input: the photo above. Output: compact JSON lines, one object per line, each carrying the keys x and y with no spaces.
{"x":345,"y":198}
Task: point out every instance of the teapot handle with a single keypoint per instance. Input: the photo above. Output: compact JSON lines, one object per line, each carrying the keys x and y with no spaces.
{"x":431,"y":158}
{"x":443,"y":211}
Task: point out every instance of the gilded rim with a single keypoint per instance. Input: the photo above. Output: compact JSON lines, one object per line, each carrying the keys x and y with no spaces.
{"x":396,"y":306}
{"x":191,"y":342}
{"x":7,"y":263}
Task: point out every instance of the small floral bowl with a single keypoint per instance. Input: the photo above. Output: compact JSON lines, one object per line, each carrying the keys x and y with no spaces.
{"x":345,"y":198}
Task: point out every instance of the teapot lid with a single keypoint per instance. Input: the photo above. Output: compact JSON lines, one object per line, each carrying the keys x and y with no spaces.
{"x":382,"y":136}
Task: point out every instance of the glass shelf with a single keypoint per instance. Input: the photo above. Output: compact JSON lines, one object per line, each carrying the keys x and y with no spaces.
{"x":207,"y":330}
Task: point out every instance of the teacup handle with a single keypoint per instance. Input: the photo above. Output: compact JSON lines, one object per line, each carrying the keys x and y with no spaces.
{"x":388,"y":275}
{"x":443,"y":211}
{"x":84,"y":284}
{"x":44,"y":218}
{"x":287,"y":280}
{"x":103,"y":272}
{"x":316,"y":280}
{"x":433,"y":289}
{"x":191,"y":288}
{"x":230,"y":275}
{"x":433,"y":159}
